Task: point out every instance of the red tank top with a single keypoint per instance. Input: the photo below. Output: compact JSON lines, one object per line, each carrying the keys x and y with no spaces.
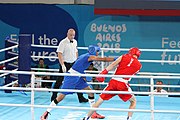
{"x":129,"y":65}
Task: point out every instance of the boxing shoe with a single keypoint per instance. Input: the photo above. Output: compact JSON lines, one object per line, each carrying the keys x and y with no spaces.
{"x":45,"y":115}
{"x":83,"y":100}
{"x":98,"y":116}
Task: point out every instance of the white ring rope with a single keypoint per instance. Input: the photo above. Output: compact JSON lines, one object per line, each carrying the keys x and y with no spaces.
{"x":4,"y":74}
{"x":45,"y":80}
{"x":14,"y":65}
{"x":103,"y":83}
{"x":15,"y":77}
{"x":159,"y":61}
{"x":120,"y":49}
{"x":44,"y":69}
{"x":150,"y":61}
{"x":10,"y":59}
{"x":12,"y":53}
{"x":151,"y":73}
{"x":87,"y":91}
{"x":89,"y":71}
{"x":89,"y":108}
{"x":43,"y":46}
{"x":11,"y":83}
{"x":84,"y":75}
{"x":14,"y":42}
{"x":12,"y":47}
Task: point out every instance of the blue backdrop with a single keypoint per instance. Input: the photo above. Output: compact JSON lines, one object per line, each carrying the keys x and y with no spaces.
{"x":48,"y":24}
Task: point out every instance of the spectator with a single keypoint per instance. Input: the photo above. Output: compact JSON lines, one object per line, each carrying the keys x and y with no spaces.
{"x":93,"y":79}
{"x":160,"y":89}
{"x":67,"y":54}
{"x":43,"y":77}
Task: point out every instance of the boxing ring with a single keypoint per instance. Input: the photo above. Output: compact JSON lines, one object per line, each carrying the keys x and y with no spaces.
{"x":32,"y":102}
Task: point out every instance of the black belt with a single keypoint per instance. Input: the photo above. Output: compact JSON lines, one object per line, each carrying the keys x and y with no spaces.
{"x":69,"y":63}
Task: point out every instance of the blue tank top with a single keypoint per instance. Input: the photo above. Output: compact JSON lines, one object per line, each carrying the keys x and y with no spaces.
{"x":82,"y":63}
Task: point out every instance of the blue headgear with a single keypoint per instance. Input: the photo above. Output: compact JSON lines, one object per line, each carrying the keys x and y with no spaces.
{"x":92,"y":49}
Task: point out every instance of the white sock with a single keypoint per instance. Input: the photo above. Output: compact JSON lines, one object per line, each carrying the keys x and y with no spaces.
{"x":91,"y":102}
{"x":52,"y":104}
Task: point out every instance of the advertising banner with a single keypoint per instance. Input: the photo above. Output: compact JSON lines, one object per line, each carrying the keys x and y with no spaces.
{"x":48,"y":25}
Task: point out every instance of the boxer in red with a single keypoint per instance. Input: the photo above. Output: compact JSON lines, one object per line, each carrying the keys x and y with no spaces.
{"x":127,"y":64}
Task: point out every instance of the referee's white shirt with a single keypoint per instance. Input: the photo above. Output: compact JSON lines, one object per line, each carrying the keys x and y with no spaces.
{"x":68,"y":50}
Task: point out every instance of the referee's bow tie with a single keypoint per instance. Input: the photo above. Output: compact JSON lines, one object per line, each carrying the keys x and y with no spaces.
{"x":71,"y":41}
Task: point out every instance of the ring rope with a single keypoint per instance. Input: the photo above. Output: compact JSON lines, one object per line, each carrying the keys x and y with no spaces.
{"x":13,"y":65}
{"x":84,"y":75}
{"x":14,"y":42}
{"x":2,"y":50}
{"x":44,"y":69}
{"x":12,"y":53}
{"x":11,"y":83}
{"x":4,"y":74}
{"x":103,"y":83}
{"x":89,"y":71}
{"x":13,"y":58}
{"x":147,"y":61}
{"x":15,"y":77}
{"x":120,"y":49}
{"x":89,"y":108}
{"x":86,"y":91}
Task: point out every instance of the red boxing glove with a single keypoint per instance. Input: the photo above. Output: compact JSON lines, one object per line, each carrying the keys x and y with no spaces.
{"x":101,"y":79}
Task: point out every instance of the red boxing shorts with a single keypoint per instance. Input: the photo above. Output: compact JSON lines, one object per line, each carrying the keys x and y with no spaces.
{"x":115,"y":85}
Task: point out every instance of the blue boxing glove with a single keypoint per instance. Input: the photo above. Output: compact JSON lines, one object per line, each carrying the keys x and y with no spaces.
{"x":115,"y":58}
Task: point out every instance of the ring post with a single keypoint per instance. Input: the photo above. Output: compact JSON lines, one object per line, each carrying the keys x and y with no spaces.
{"x":152,"y":98}
{"x":32,"y":96}
{"x":24,"y":59}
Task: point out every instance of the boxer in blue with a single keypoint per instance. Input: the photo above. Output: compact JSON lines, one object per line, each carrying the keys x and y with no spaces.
{"x":77,"y":82}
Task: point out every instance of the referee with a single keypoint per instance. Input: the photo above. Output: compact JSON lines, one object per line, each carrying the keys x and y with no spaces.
{"x":67,"y":54}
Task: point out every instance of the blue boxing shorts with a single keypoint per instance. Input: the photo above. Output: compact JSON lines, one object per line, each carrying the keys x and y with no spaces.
{"x":73,"y":82}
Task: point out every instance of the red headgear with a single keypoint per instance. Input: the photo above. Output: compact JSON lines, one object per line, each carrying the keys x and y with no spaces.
{"x":135,"y":51}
